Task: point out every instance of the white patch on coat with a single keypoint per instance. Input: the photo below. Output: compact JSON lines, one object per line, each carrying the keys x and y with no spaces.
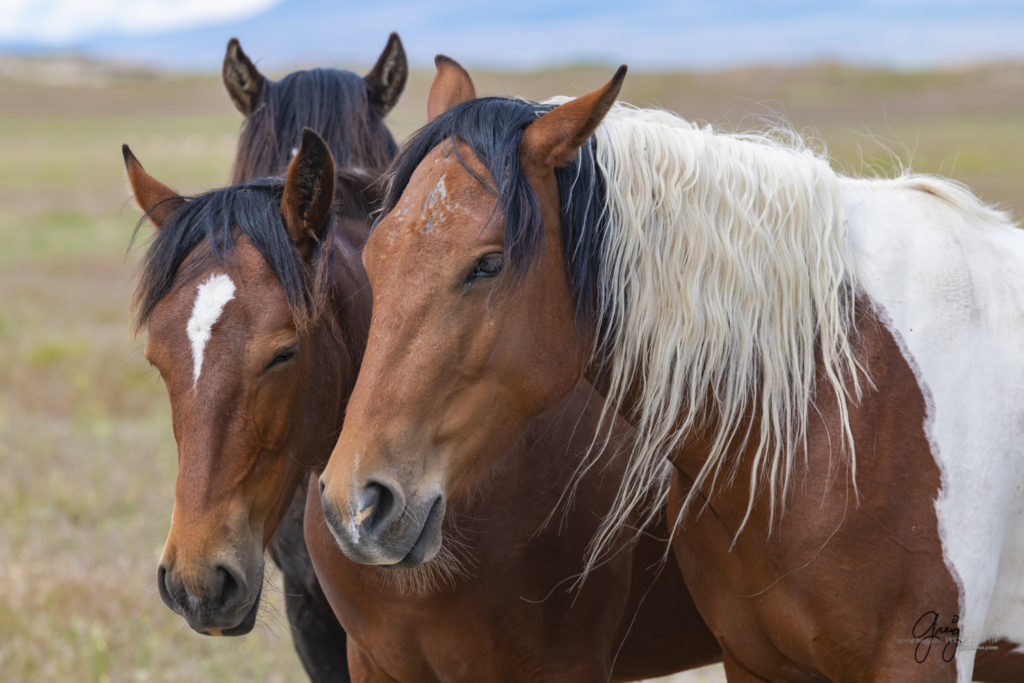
{"x":436,"y":207}
{"x":211,"y":297}
{"x":949,"y":275}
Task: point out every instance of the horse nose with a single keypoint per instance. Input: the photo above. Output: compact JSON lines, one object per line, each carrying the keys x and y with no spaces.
{"x":377,"y":506}
{"x":215,"y":596}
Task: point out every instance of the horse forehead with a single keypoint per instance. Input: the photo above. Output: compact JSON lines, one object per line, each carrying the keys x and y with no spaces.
{"x":247,"y":293}
{"x":443,"y":200}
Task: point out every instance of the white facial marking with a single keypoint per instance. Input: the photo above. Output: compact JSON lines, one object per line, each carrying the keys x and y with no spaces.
{"x":211,"y":296}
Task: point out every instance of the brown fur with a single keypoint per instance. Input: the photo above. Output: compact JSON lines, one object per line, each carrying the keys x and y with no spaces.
{"x":834,"y":591}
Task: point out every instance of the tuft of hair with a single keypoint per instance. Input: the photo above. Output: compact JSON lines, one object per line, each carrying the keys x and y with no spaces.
{"x":452,"y":564}
{"x":207,"y":226}
{"x":333,"y":102}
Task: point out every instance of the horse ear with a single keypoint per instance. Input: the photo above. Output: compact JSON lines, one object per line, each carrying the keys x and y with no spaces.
{"x":158,"y":201}
{"x":452,"y":85}
{"x":387,"y":77}
{"x":308,"y":193}
{"x":242,"y":79}
{"x":553,"y":139}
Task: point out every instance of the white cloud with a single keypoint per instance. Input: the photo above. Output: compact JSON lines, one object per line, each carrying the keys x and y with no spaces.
{"x":57,"y":22}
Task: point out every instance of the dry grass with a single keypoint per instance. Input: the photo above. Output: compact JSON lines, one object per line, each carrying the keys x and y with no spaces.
{"x":86,"y":452}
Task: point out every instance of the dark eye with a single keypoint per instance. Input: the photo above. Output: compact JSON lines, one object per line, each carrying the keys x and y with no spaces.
{"x":489,"y":265}
{"x":282,"y":357}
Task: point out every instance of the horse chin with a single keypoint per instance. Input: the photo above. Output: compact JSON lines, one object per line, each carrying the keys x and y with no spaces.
{"x":241,"y":628}
{"x":428,"y":543}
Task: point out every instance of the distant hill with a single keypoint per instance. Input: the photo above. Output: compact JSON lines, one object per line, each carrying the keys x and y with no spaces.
{"x":529,"y":34}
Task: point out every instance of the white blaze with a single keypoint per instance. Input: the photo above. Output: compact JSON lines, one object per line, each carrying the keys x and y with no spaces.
{"x":211,"y":296}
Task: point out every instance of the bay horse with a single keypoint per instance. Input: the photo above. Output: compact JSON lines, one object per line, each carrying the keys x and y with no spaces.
{"x":258,"y":309}
{"x":347,"y":110}
{"x":831,"y":367}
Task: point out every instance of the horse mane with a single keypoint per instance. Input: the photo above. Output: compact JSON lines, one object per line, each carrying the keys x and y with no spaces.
{"x":726,"y":277}
{"x":211,"y":223}
{"x":333,"y":102}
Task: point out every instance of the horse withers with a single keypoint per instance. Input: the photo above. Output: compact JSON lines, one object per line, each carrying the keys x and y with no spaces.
{"x":832,"y":366}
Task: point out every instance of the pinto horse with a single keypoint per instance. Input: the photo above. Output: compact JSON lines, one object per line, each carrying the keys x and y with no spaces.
{"x":832,"y":368}
{"x":347,"y":110}
{"x":257,"y":308}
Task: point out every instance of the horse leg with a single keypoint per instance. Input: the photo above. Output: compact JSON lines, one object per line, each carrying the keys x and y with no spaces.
{"x":318,"y":637}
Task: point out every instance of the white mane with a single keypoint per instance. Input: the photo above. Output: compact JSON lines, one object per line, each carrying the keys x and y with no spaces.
{"x":726,"y":273}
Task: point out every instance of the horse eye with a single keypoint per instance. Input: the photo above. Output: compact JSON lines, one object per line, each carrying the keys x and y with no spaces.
{"x":282,"y":357}
{"x":489,"y":265}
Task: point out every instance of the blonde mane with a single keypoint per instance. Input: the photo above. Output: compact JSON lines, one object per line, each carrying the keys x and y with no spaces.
{"x":725,"y":275}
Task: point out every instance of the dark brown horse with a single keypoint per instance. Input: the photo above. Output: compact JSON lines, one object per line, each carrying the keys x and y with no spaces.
{"x":257,"y":312}
{"x":832,"y":367}
{"x":347,"y":110}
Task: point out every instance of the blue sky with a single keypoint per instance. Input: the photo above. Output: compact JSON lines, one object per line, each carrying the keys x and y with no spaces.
{"x":646,"y":34}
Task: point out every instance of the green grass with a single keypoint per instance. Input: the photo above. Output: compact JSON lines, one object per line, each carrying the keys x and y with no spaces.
{"x":86,"y":449}
{"x":85,"y":442}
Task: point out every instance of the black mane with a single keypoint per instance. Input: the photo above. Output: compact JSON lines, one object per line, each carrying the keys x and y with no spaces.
{"x":219,"y":217}
{"x":493,"y":127}
{"x":333,"y":102}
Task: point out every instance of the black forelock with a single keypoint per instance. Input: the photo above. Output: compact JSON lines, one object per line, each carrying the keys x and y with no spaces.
{"x":214,"y":220}
{"x":492,"y":127}
{"x":333,"y":102}
{"x":251,"y":208}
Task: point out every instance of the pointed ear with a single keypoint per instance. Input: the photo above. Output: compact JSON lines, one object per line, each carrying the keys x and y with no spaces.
{"x":308,"y":193}
{"x":452,"y":85}
{"x":158,"y":201}
{"x":242,"y":79}
{"x":387,"y":77}
{"x":553,"y":139}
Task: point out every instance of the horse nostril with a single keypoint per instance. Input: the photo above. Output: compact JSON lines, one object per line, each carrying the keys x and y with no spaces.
{"x":370,"y":497}
{"x":322,"y":485}
{"x":379,"y":506}
{"x":227,"y":587}
{"x":162,"y":587}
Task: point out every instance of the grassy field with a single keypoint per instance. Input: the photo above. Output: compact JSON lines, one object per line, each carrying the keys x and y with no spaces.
{"x":86,"y":452}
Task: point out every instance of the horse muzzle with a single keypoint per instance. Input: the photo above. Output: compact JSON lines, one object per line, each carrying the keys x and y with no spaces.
{"x":383,"y":527}
{"x":217,"y":600}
